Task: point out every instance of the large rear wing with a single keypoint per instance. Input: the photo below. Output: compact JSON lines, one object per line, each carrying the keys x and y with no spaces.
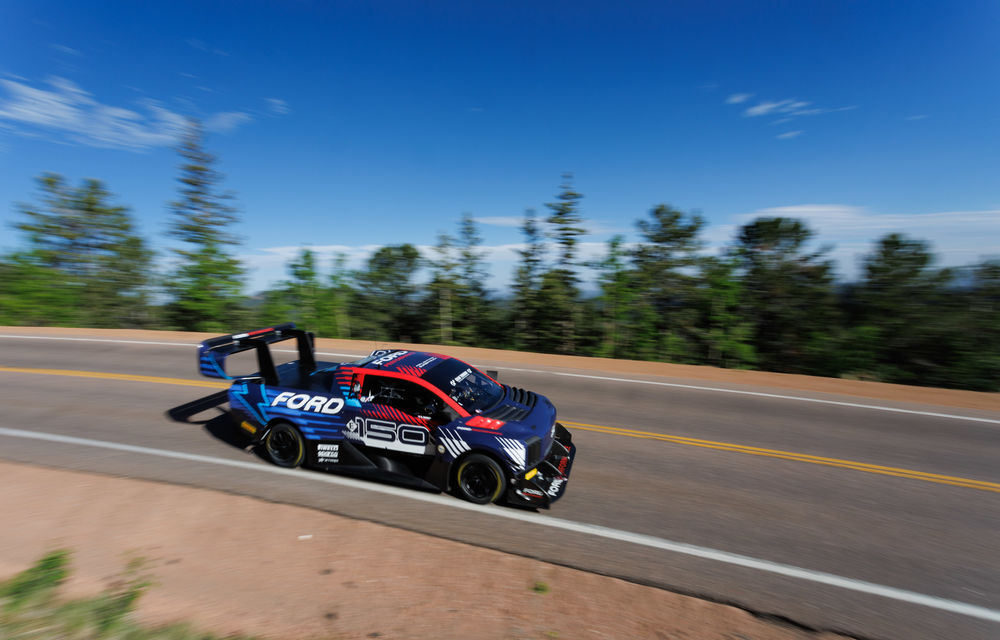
{"x":212,"y":353}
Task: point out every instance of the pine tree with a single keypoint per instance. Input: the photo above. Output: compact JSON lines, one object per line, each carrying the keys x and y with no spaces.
{"x":979,"y":332}
{"x":527,"y":285}
{"x":726,"y":333}
{"x":666,"y":260}
{"x":443,"y":287}
{"x":617,"y":298}
{"x":90,"y":246}
{"x":305,"y":291}
{"x":386,"y":305}
{"x":788,"y":296}
{"x":906,"y":310}
{"x":341,"y":295}
{"x":559,"y":285}
{"x":473,"y":298}
{"x":207,"y":284}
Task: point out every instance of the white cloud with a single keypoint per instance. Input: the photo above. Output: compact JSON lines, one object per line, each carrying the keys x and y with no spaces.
{"x":958,"y":238}
{"x":919,"y":116}
{"x":66,"y":108}
{"x":61,"y":48}
{"x":793,"y":107}
{"x":227,"y":121}
{"x":764,"y":108}
{"x":201,"y":46}
{"x":821,"y":111}
{"x":500,"y":221}
{"x":786,"y":110}
{"x":277,"y":107}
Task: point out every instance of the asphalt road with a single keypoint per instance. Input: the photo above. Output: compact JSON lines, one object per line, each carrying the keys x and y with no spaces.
{"x":905,"y":500}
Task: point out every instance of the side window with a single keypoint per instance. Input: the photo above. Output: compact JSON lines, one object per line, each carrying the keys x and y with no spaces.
{"x":408,"y":397}
{"x":392,"y":392}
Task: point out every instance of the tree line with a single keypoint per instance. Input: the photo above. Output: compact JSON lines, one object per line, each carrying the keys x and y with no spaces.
{"x":767,"y":301}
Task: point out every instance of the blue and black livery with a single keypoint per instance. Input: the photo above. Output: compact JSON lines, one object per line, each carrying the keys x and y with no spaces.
{"x":412,"y":417}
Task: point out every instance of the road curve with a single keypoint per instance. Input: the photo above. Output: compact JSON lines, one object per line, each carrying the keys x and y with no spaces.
{"x":676,"y":480}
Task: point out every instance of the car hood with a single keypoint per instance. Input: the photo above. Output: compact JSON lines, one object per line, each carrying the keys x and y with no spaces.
{"x":527,"y":417}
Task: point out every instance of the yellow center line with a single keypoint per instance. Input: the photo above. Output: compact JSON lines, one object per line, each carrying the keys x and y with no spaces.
{"x":117,"y":376}
{"x":969,"y":483}
{"x":617,"y":431}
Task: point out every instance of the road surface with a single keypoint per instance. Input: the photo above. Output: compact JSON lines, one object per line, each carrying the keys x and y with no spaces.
{"x":870,"y":517}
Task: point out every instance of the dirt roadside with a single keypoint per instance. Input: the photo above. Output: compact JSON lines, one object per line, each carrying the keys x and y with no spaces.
{"x":231,"y":564}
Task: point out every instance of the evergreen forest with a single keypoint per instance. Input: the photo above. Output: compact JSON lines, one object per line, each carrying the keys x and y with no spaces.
{"x":767,"y":301}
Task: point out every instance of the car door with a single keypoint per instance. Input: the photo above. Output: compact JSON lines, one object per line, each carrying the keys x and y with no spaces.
{"x":392,"y":415}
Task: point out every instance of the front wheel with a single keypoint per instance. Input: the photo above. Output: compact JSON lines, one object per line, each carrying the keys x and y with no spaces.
{"x":284,"y":445}
{"x":479,"y":479}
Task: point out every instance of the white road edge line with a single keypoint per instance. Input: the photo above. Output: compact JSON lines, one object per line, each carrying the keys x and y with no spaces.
{"x":761,"y":394}
{"x":164,"y":344}
{"x":676,"y":385}
{"x":912,"y":597}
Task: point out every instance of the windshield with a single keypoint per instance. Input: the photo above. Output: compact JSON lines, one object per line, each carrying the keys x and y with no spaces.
{"x":470,"y":388}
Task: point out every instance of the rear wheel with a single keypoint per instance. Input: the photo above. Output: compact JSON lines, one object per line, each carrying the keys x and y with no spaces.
{"x":479,"y":479}
{"x":285,"y":446}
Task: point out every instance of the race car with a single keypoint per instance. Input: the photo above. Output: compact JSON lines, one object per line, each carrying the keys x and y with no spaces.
{"x":412,"y":417}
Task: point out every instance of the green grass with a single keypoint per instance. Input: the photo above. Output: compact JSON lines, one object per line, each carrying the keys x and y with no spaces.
{"x":30,"y":608}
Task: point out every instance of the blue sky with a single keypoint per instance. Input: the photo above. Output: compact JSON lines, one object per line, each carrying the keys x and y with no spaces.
{"x":348,"y":125}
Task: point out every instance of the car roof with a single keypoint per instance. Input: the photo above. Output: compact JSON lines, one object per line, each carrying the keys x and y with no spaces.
{"x":413,"y":363}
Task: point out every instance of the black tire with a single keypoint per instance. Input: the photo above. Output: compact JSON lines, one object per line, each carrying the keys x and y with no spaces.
{"x":285,"y":446}
{"x":479,"y":479}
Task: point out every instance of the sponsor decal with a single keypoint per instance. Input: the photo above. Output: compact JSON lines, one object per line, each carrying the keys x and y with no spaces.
{"x":555,"y":486}
{"x":562,"y":465}
{"x":387,"y":358}
{"x":240,"y":336}
{"x":534,"y":493}
{"x":381,"y":434}
{"x":423,"y":365}
{"x":306,"y":402}
{"x":328,"y":453}
{"x":462,"y":376}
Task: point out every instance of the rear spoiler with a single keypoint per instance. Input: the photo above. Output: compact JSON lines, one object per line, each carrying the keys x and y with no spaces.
{"x":212,"y":353}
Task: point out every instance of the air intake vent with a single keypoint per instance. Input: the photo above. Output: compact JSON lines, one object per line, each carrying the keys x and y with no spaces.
{"x":533,"y":456}
{"x":516,"y":405}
